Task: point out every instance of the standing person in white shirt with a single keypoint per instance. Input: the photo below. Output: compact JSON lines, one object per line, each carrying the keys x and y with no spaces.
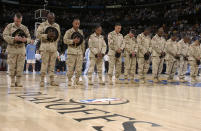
{"x":38,"y":61}
{"x":62,"y":63}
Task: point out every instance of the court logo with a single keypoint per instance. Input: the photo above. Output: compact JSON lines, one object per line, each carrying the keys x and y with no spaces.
{"x":102,"y":101}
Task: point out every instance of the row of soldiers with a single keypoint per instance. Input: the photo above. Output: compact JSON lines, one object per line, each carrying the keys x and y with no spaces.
{"x":141,"y":49}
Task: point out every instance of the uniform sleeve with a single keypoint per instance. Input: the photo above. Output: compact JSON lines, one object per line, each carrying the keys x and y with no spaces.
{"x":59,"y":34}
{"x":27,"y":48}
{"x":104,"y":47}
{"x":67,"y":40}
{"x":122,"y":44}
{"x":28,"y":35}
{"x":40,"y":33}
{"x":91,"y":47}
{"x":135,"y":46}
{"x":150,"y":46}
{"x":179,"y":48}
{"x":191,"y":52}
{"x":7,"y":35}
{"x":83,"y":46}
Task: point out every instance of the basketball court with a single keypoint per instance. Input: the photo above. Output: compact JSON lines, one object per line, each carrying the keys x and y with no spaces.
{"x":132,"y":107}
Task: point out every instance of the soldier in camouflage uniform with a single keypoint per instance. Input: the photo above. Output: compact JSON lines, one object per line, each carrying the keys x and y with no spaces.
{"x":172,"y":50}
{"x":194,"y":59}
{"x":97,"y":48}
{"x":75,"y":53}
{"x":144,"y":53}
{"x":184,"y":45}
{"x":158,"y":54}
{"x":16,"y":49}
{"x":48,"y":48}
{"x":130,"y":52}
{"x":116,"y":46}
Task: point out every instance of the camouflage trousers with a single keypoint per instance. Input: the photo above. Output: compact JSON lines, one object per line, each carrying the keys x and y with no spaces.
{"x":16,"y":64}
{"x":114,"y":62}
{"x":171,"y":68}
{"x":130,"y":67}
{"x":98,"y":63}
{"x":143,"y":67}
{"x":157,"y":66}
{"x":194,"y":68}
{"x":74,"y":64}
{"x":48,"y":63}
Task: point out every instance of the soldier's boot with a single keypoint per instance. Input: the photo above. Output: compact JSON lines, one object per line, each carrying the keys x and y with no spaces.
{"x":194,"y":79}
{"x":42,"y":81}
{"x":101,"y":81}
{"x":117,"y":81}
{"x":77,"y":82}
{"x":90,"y":81}
{"x":182,"y":80}
{"x":132,"y":81}
{"x":12,"y":81}
{"x":69,"y":82}
{"x":18,"y":81}
{"x":110,"y":80}
{"x":142,"y":81}
{"x":52,"y":81}
{"x":169,"y":79}
{"x":126,"y":81}
{"x":155,"y":80}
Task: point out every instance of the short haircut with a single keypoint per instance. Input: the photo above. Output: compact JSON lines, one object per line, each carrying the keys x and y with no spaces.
{"x":76,"y":19}
{"x":18,"y":15}
{"x":97,"y":26}
{"x":117,"y":24}
{"x":51,"y":14}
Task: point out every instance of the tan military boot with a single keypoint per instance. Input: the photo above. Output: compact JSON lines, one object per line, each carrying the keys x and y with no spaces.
{"x":77,"y":82}
{"x":194,"y":79}
{"x":117,"y":81}
{"x":155,"y":80}
{"x":126,"y":81}
{"x":182,"y":80}
{"x":90,"y":81}
{"x":110,"y":81}
{"x":18,"y":81}
{"x":69,"y":82}
{"x":101,"y":81}
{"x":142,"y":81}
{"x":52,"y":81}
{"x":42,"y":83}
{"x":12,"y":81}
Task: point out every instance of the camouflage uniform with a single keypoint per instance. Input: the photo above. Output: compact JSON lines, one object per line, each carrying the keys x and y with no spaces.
{"x":144,"y":44}
{"x":172,"y":50}
{"x":182,"y":65}
{"x":16,"y":52}
{"x":115,"y":42}
{"x":158,"y":47}
{"x":75,"y":56}
{"x":48,"y":51}
{"x":130,"y":61}
{"x":96,"y":45}
{"x":194,"y":54}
